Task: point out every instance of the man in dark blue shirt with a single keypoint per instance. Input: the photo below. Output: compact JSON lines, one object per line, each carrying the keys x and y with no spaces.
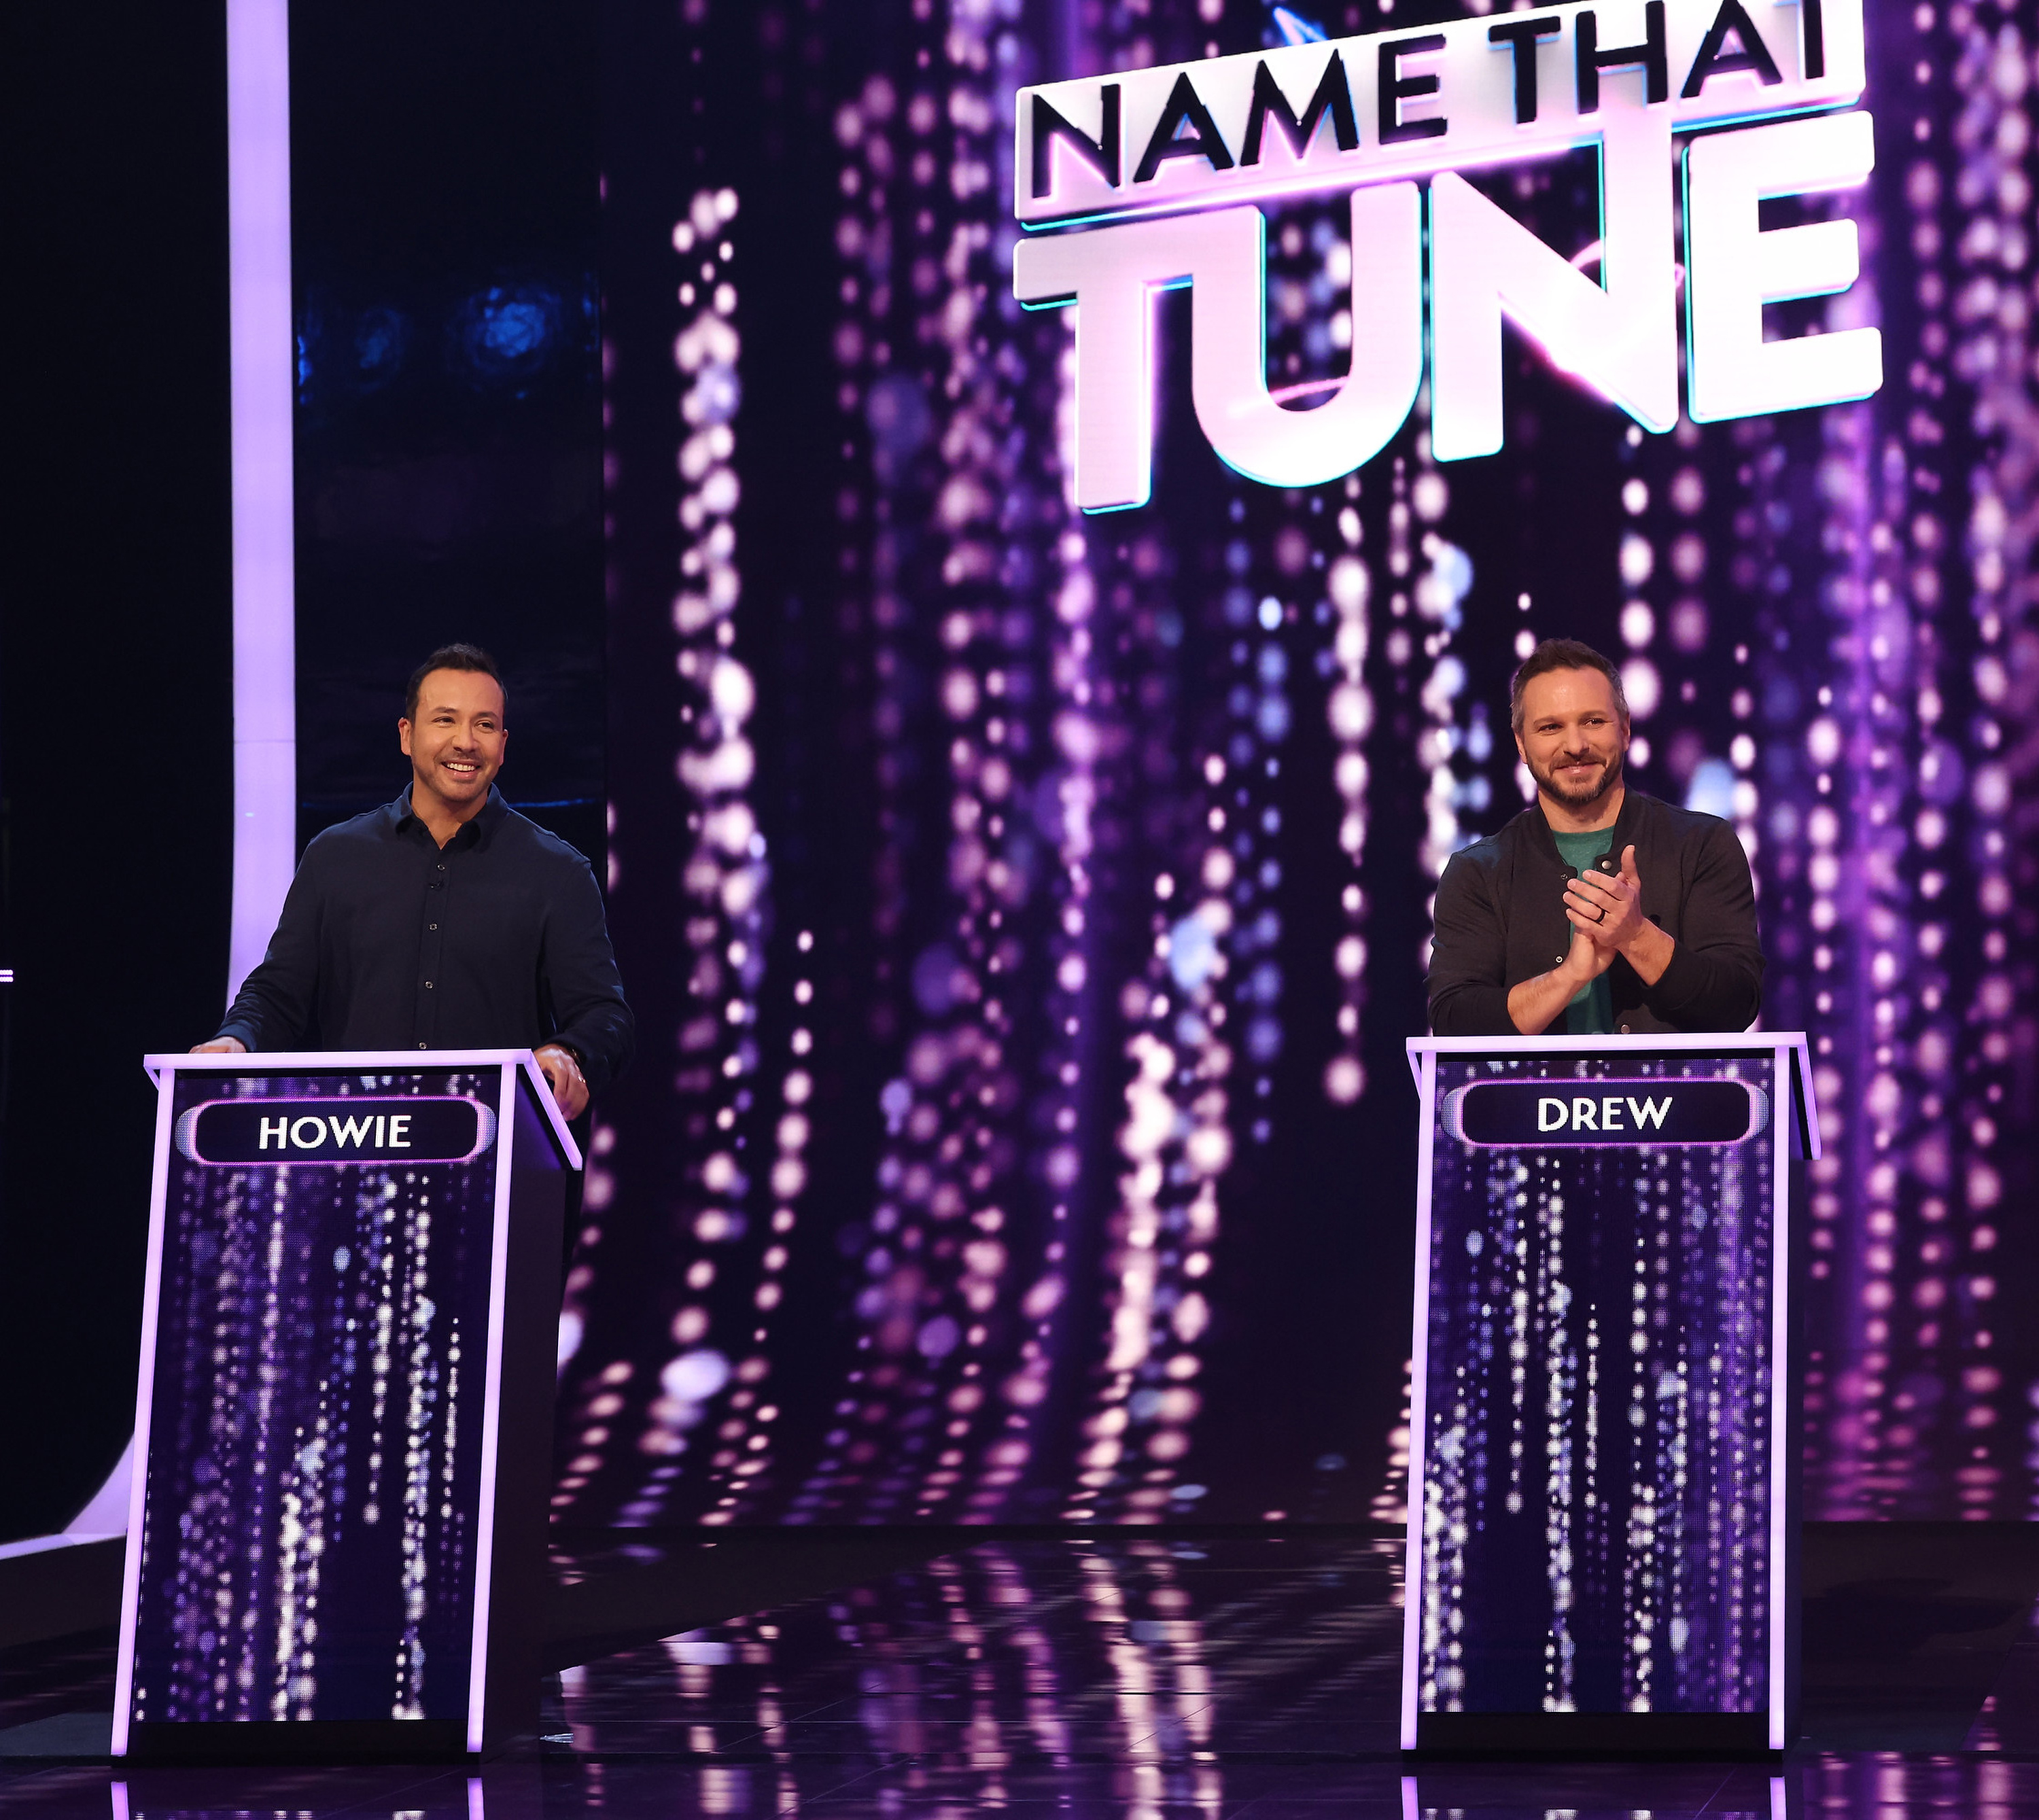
{"x":444,"y":921}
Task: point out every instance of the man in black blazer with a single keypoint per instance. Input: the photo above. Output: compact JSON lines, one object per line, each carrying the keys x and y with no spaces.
{"x":1597,"y":909}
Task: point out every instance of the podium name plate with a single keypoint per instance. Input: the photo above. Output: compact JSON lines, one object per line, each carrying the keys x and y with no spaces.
{"x":234,"y":1133}
{"x":1602,"y":1533}
{"x":337,"y":1541}
{"x":1611,"y":1111}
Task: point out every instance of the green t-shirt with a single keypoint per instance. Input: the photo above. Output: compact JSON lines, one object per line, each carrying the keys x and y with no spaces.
{"x":1591,"y":1011}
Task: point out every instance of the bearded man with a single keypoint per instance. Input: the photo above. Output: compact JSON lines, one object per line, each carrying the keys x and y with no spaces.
{"x":1598,"y":910}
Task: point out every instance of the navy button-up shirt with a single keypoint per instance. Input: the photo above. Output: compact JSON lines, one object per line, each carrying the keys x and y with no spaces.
{"x":389,"y":941}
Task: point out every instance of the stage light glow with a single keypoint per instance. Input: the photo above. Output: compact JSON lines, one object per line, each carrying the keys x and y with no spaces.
{"x":505,"y":332}
{"x":1100,"y":763}
{"x":730,"y":1278}
{"x":262,"y":350}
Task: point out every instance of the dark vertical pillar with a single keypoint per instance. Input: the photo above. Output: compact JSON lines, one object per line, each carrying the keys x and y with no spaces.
{"x":116,"y":774}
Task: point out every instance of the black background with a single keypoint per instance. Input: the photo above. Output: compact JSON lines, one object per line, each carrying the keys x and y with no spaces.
{"x":116,"y":772}
{"x":435,"y":155}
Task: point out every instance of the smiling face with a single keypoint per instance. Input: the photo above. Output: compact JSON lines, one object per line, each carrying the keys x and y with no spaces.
{"x":456,"y":743}
{"x":1573,"y":740}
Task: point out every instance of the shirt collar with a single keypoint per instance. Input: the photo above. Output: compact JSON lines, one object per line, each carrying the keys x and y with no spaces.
{"x":477,"y":832}
{"x":1622,"y":834}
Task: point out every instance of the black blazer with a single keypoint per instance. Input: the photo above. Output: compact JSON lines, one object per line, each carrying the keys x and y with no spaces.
{"x":1500,"y":920}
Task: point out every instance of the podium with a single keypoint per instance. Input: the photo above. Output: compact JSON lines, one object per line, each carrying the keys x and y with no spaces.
{"x":1603,"y":1532}
{"x":335,"y":1541}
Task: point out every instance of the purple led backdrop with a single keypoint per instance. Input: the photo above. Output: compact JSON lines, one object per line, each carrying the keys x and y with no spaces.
{"x":1024,"y":911}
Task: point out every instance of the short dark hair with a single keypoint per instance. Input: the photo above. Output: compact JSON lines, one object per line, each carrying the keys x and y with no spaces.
{"x":452,"y":658}
{"x":1562,"y":654}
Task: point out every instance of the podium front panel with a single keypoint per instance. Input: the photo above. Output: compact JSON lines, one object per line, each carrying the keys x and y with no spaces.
{"x":1597,"y":1493}
{"x":316,"y":1494}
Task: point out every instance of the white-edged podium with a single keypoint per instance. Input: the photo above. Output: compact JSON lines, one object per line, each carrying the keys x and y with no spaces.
{"x":1603,"y":1534}
{"x":336,"y":1544}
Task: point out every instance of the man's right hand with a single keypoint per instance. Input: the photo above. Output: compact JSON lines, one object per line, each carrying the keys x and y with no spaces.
{"x":220,"y":1046}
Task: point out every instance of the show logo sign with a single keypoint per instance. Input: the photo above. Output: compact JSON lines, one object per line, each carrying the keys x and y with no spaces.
{"x":1695,"y":93}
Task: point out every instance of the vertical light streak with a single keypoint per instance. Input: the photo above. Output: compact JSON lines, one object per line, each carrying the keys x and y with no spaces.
{"x":1437,"y":598}
{"x":947,"y":1177}
{"x":419,"y":1408}
{"x":493,"y":1340}
{"x":1993,"y":138}
{"x":261,"y":357}
{"x":1425,"y":1519}
{"x":1071,"y":1004}
{"x":1561,"y":1388}
{"x":126,"y":1692}
{"x":727,"y":878}
{"x":1118,"y":680}
{"x":1786,"y":1447}
{"x":888,"y":412}
{"x":1916,"y":1015}
{"x":1349,"y":708}
{"x":1636,"y":562}
{"x":1197,"y":1011}
{"x":956,"y":1250}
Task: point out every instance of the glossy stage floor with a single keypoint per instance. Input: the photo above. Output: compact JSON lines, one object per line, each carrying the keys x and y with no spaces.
{"x":1187,"y":1674}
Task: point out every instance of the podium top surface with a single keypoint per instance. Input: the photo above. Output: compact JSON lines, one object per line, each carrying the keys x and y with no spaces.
{"x":1669,"y":1042}
{"x":373,"y":1062}
{"x":1717,"y":1042}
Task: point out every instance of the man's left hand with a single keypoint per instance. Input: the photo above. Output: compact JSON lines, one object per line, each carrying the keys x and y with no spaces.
{"x":563,"y":1073}
{"x":1610,"y":910}
{"x":1610,"y":905}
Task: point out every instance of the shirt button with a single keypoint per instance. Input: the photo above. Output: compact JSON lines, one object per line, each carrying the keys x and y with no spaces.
{"x":432,"y":925}
{"x":442,"y":866}
{"x":428,"y":985}
{"x":421,"y":1045}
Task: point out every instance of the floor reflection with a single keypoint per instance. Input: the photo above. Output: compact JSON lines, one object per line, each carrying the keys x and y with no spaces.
{"x":1247,"y":1678}
{"x":1862,"y":1787}
{"x":1146,"y":1652}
